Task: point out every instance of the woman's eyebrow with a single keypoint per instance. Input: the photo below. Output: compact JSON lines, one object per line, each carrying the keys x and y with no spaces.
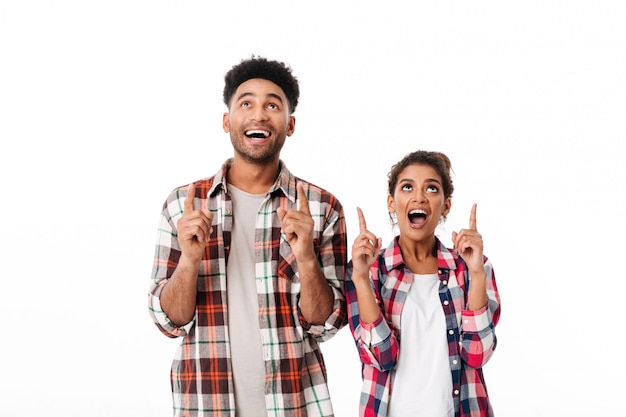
{"x":412,"y":181}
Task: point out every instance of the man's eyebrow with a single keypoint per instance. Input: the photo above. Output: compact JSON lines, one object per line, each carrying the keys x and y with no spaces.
{"x":249,"y":94}
{"x":276,"y":96}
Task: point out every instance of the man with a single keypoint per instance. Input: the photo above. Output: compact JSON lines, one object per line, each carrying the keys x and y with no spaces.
{"x":249,"y":267}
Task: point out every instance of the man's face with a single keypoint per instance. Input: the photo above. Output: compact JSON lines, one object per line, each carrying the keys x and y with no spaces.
{"x":258,"y":121}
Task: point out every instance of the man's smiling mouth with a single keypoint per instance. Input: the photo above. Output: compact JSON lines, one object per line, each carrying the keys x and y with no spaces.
{"x":257,"y":134}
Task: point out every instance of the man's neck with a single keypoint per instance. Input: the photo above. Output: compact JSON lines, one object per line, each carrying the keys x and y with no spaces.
{"x":251,"y":177}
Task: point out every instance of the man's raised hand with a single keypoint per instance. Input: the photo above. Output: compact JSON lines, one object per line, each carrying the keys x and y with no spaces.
{"x":297,"y":226}
{"x":194,"y":227}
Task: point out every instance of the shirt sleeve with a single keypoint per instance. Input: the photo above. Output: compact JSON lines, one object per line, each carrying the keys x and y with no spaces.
{"x":166,"y":257}
{"x":332,"y":253}
{"x":376,"y":342}
{"x":478,"y":337}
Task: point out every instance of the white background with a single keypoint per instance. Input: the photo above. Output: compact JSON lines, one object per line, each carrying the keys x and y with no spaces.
{"x":105,"y":106}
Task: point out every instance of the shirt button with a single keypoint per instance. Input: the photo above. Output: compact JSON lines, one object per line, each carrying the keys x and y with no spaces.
{"x":444,"y":282}
{"x":456,"y":392}
{"x":446,"y":302}
{"x":451,"y":331}
{"x":454,"y":362}
{"x":439,"y":271}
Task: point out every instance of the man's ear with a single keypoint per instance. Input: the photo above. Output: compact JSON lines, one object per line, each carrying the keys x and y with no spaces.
{"x":291,"y":126}
{"x":226,"y":122}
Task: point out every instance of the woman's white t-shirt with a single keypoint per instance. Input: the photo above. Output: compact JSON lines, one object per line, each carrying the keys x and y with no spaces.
{"x":422,"y":385}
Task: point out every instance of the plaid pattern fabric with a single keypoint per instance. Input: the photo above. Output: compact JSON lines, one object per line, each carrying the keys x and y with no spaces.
{"x":295,"y":373}
{"x":471,"y":334}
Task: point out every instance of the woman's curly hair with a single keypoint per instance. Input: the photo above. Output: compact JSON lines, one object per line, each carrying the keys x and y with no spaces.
{"x":439,"y":161}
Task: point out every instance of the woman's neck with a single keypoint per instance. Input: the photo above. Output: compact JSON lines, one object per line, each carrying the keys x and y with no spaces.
{"x":419,"y":257}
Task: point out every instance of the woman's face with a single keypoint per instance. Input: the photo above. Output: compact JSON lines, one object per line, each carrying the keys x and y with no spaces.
{"x":418,"y":201}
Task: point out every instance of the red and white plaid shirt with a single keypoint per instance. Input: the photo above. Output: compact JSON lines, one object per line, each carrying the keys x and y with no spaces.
{"x":201,"y":373}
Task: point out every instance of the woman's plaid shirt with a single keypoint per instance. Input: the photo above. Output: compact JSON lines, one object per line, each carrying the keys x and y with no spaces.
{"x":201,"y":373}
{"x":471,"y":334}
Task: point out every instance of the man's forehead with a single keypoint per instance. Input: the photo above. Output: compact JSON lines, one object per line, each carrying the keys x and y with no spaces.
{"x":260,"y":88}
{"x":260,"y":83}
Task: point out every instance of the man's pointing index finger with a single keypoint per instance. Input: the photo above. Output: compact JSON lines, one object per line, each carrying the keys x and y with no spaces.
{"x":191,"y":193}
{"x":304,"y":202}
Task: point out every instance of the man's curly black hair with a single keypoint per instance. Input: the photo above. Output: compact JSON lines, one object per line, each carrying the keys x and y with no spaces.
{"x":257,"y":67}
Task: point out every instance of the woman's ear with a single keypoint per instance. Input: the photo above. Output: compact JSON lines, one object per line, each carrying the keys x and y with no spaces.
{"x":391,"y":204}
{"x":446,"y":207}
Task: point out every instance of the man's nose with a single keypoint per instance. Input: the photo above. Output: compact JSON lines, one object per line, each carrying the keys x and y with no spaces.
{"x":258,"y":114}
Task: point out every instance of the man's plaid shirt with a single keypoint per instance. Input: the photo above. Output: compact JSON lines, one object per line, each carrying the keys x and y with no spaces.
{"x":201,"y":374}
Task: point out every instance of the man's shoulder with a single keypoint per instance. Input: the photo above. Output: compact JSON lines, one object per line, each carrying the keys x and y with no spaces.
{"x":312,"y":187}
{"x":318,"y":193}
{"x":201,"y":184}
{"x":204,"y":188}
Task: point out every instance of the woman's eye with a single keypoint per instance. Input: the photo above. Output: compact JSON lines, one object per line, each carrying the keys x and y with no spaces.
{"x":406,"y":187}
{"x":432,"y":189}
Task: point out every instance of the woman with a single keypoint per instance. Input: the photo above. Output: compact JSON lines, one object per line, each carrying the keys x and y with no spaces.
{"x":422,"y":315}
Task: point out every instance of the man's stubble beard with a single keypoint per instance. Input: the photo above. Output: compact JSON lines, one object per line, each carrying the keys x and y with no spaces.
{"x":262,"y":157}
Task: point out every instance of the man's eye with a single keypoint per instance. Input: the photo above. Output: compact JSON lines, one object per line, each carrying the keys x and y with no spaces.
{"x":272,"y":106}
{"x":245,"y":104}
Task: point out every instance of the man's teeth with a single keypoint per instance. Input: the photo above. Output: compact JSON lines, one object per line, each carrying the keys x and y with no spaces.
{"x":258,"y":133}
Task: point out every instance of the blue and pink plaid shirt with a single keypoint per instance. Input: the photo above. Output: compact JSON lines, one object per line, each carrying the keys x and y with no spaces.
{"x":471,"y":335}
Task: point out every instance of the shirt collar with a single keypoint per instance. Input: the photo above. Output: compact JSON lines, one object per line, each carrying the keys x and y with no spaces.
{"x":285,"y":182}
{"x":393,"y":256}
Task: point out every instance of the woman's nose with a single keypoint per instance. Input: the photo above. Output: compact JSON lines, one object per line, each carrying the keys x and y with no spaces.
{"x":420,"y":196}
